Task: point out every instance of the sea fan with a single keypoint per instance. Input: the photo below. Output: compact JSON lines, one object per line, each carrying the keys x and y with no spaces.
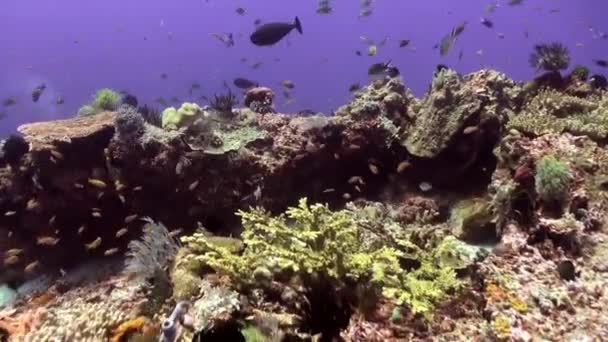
{"x":550,"y":57}
{"x":151,"y":115}
{"x":152,"y":253}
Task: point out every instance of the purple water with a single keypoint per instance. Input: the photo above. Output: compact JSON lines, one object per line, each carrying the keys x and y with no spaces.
{"x":38,"y":45}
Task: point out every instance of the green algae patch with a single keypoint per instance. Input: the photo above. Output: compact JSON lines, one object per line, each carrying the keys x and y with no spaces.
{"x":232,"y":140}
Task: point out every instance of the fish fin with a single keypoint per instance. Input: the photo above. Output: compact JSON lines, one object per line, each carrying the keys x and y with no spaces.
{"x":298,"y":25}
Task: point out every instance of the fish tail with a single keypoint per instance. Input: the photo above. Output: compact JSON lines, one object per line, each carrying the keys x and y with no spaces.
{"x":298,"y":25}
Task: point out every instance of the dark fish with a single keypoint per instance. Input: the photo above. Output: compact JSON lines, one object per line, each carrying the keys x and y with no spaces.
{"x":554,"y":10}
{"x":286,"y":94}
{"x":194,"y":86}
{"x":164,"y":76}
{"x":162,"y":101}
{"x":365,"y":12}
{"x":515,"y":2}
{"x":243,"y":59}
{"x":445,"y":44}
{"x":490,"y":8}
{"x":460,"y":55}
{"x":175,"y":99}
{"x":9,"y":101}
{"x":457,"y":31}
{"x":526,"y":33}
{"x":272,"y":33}
{"x":358,"y":53}
{"x":324,"y":9}
{"x":500,"y":35}
{"x":225,"y":38}
{"x":256,"y":65}
{"x":257,"y":22}
{"x":3,"y":115}
{"x":59,"y":100}
{"x":598,"y":82}
{"x":383,"y":69}
{"x":37,"y":92}
{"x":354,"y":87}
{"x":244,"y":83}
{"x":288,"y":84}
{"x":487,"y":22}
{"x":404,"y":42}
{"x":366,"y":3}
{"x":601,"y":62}
{"x":240,"y":11}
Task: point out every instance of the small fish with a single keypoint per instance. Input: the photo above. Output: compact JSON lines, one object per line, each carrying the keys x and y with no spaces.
{"x":32,"y":204}
{"x":93,"y":244}
{"x":358,"y":53}
{"x":460,"y":55}
{"x":52,"y":220}
{"x":122,"y":232}
{"x":13,"y":251}
{"x":243,"y":59}
{"x":383,"y":41}
{"x":163,"y":76}
{"x":487,"y":23}
{"x":110,"y":251}
{"x":138,"y":188}
{"x":500,"y":35}
{"x":404,"y":165}
{"x":580,"y":45}
{"x":374,"y":169}
{"x":256,"y":65}
{"x":272,"y":33}
{"x":59,"y":100}
{"x":326,"y":191}
{"x":324,"y":9}
{"x":404,"y":43}
{"x":354,"y":87}
{"x":175,"y":99}
{"x":356,"y":180}
{"x":554,"y":10}
{"x":10,"y":213}
{"x":37,"y":92}
{"x":479,"y":52}
{"x":194,"y":86}
{"x":425,"y":186}
{"x":515,"y":2}
{"x":366,"y":12}
{"x":346,"y":196}
{"x":226,"y":38}
{"x":257,"y":22}
{"x":81,"y":230}
{"x":288,"y":84}
{"x":601,"y":62}
{"x":47,"y":241}
{"x":372,"y":50}
{"x":9,"y":101}
{"x":490,"y":8}
{"x":470,"y":129}
{"x":130,"y":218}
{"x":243,"y":83}
{"x":32,"y":266}
{"x":11,"y":260}
{"x":240,"y":11}
{"x":56,"y":154}
{"x":97,"y":183}
{"x":193,"y":185}
{"x":162,"y":101}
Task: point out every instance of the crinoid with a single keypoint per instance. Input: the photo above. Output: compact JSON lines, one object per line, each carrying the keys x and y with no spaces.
{"x":224,"y":102}
{"x":550,"y":57}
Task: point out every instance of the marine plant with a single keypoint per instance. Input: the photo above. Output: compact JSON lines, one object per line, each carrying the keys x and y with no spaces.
{"x":152,"y":253}
{"x":313,"y":243}
{"x":224,"y":103}
{"x":86,"y":110}
{"x":151,"y":115}
{"x":550,"y":57}
{"x":552,"y":180}
{"x":106,"y":99}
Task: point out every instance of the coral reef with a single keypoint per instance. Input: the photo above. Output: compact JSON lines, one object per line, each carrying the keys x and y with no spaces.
{"x":476,"y":212}
{"x":550,"y":57}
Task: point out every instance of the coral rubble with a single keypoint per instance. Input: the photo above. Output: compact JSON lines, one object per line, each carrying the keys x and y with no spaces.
{"x":474,"y":213}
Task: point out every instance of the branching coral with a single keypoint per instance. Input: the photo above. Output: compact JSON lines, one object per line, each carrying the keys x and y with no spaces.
{"x":152,"y":253}
{"x":550,"y":57}
{"x":314,"y":242}
{"x":552,"y":180}
{"x":106,"y":99}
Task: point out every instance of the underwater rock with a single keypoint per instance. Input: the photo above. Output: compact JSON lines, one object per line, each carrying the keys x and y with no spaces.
{"x":456,"y":101}
{"x":44,"y":135}
{"x":471,"y":220}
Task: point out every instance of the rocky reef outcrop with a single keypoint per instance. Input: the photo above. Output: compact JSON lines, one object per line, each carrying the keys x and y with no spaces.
{"x":477,"y":210}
